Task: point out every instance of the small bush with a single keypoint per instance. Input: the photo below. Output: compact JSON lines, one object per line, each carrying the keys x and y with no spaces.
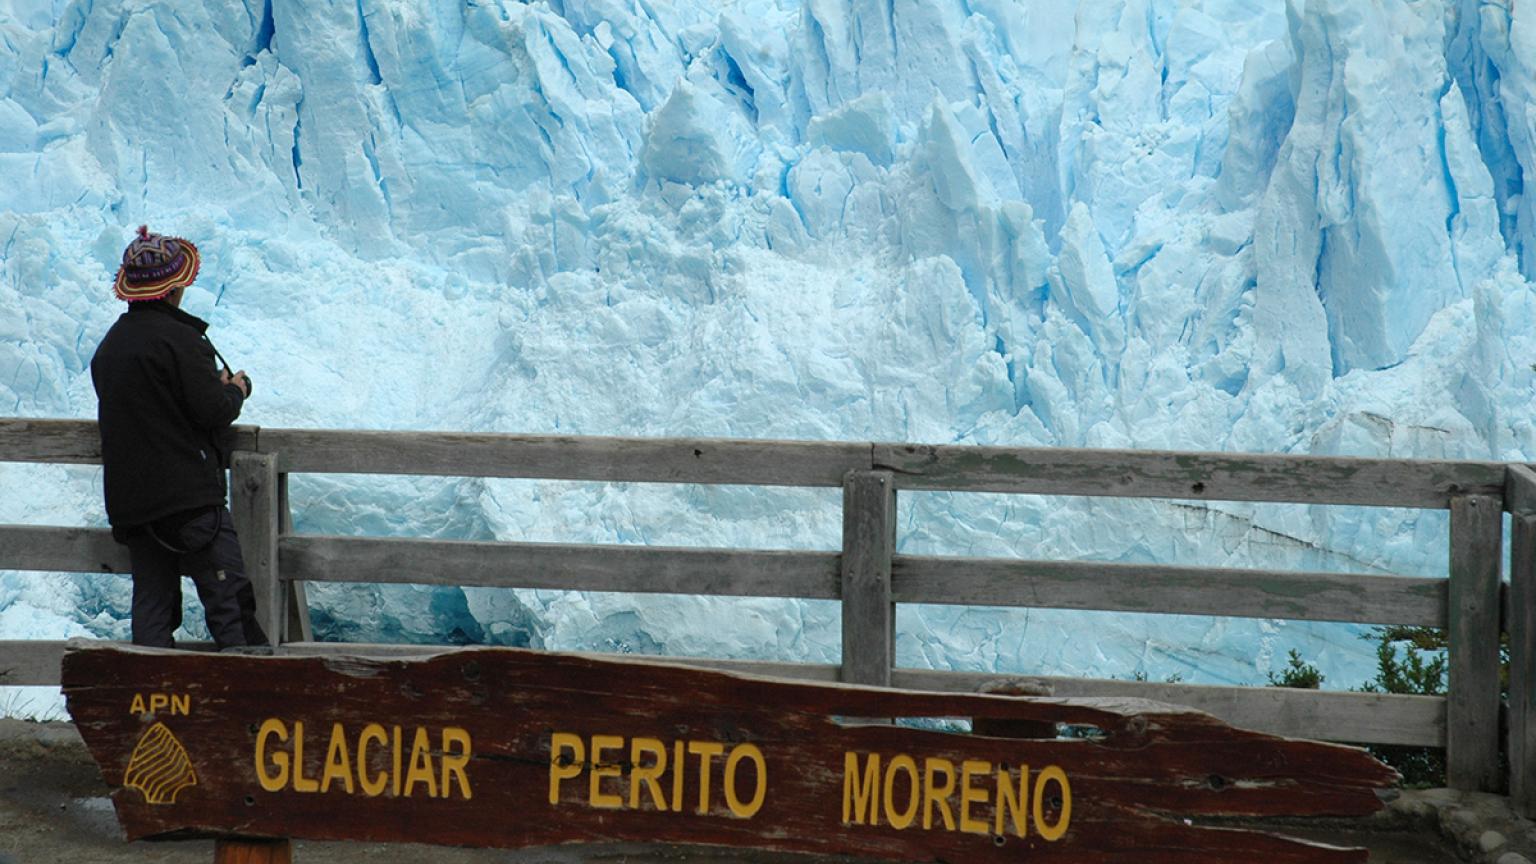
{"x":1410,"y":660}
{"x":1297,"y":674}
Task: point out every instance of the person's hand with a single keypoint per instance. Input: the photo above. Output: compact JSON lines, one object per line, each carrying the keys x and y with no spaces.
{"x":238,"y":379}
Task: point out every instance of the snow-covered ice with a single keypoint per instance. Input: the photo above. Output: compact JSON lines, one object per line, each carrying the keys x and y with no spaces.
{"x":1245,"y":225}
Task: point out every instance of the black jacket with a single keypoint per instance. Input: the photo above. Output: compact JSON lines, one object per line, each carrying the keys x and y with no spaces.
{"x":164,"y":415}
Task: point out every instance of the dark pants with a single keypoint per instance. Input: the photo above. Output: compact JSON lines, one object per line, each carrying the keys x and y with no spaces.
{"x":206,"y":549}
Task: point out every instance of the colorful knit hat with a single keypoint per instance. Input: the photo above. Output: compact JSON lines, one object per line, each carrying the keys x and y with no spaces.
{"x":155,"y":265}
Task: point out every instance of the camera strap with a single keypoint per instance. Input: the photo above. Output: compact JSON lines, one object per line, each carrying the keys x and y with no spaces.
{"x":218,"y":525}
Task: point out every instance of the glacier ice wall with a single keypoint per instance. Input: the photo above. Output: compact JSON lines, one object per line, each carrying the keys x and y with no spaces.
{"x":1293,"y":227}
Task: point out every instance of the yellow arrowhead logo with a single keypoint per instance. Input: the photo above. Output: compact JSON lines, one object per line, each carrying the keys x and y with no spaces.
{"x":159,"y":767}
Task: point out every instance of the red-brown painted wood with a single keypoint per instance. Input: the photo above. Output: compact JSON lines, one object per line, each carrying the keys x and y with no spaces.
{"x":207,"y":745}
{"x":253,"y":852}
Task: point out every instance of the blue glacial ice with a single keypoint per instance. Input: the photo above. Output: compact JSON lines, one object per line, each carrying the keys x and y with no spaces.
{"x":1245,"y":225}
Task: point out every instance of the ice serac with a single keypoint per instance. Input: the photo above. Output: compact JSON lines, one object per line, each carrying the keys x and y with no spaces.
{"x":1375,"y":183}
{"x":1177,"y":224}
{"x":696,"y":139}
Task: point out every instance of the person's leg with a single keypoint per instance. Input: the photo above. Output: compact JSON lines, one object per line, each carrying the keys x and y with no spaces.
{"x":156,"y":592}
{"x":218,"y":571}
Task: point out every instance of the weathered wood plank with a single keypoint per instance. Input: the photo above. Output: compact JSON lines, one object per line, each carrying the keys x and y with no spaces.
{"x":1520,"y":490}
{"x":520,"y":748}
{"x":1472,"y":718}
{"x":69,"y":442}
{"x":1366,"y":718}
{"x":824,"y":672}
{"x":35,"y":662}
{"x":1117,"y":587}
{"x":645,"y":460}
{"x":253,"y":852}
{"x":1521,"y":619}
{"x":1361,"y":718}
{"x":869,"y":542}
{"x":253,"y":495}
{"x":30,"y":663}
{"x":59,"y":549}
{"x":1236,"y":477}
{"x":298,"y":625}
{"x":641,"y":569}
{"x":1209,"y":476}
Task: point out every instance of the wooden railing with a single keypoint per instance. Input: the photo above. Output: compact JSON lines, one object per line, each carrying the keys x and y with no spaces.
{"x":869,"y":577}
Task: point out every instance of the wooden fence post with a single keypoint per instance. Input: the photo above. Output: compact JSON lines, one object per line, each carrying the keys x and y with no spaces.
{"x":253,"y":498}
{"x":869,"y":614}
{"x":298,"y":626}
{"x":1472,"y":701}
{"x":1520,"y":620}
{"x":233,"y":851}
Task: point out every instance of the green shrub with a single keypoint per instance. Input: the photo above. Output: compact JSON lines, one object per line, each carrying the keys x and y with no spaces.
{"x":1410,"y":660}
{"x":1297,"y":674}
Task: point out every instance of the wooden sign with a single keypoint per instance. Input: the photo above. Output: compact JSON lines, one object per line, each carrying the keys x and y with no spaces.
{"x":510,"y":748}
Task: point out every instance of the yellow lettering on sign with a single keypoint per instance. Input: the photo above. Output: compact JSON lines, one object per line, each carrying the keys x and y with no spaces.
{"x":564,"y":769}
{"x":372,"y":787}
{"x":421,"y":765}
{"x":1009,"y":803}
{"x":679,"y":770}
{"x":933,"y":790}
{"x":1051,"y":773}
{"x":649,"y":775}
{"x":338,"y":762}
{"x":970,"y":769}
{"x":175,"y":703}
{"x":300,"y":782}
{"x":395,"y":762}
{"x":706,"y":751}
{"x":649,"y":764}
{"x":457,"y":764}
{"x":601,"y":769}
{"x":934,"y":794}
{"x":276,"y":781}
{"x":860,"y":804}
{"x":903,"y":819}
{"x":759,"y":792}
{"x":352,"y":765}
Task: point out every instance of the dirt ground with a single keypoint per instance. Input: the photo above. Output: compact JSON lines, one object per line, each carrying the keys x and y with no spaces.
{"x":53,"y":808}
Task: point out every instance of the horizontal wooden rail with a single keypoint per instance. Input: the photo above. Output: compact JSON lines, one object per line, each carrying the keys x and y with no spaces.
{"x":62,"y":550}
{"x":71,"y":442}
{"x":641,"y":460}
{"x":1207,"y":476}
{"x":640,"y":569}
{"x":35,"y":662}
{"x":1087,"y":585}
{"x":961,"y":468}
{"x":30,"y":662}
{"x":1118,"y":587}
{"x":1362,"y":718}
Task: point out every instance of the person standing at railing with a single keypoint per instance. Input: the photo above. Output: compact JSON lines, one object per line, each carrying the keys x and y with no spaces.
{"x":165,"y":405}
